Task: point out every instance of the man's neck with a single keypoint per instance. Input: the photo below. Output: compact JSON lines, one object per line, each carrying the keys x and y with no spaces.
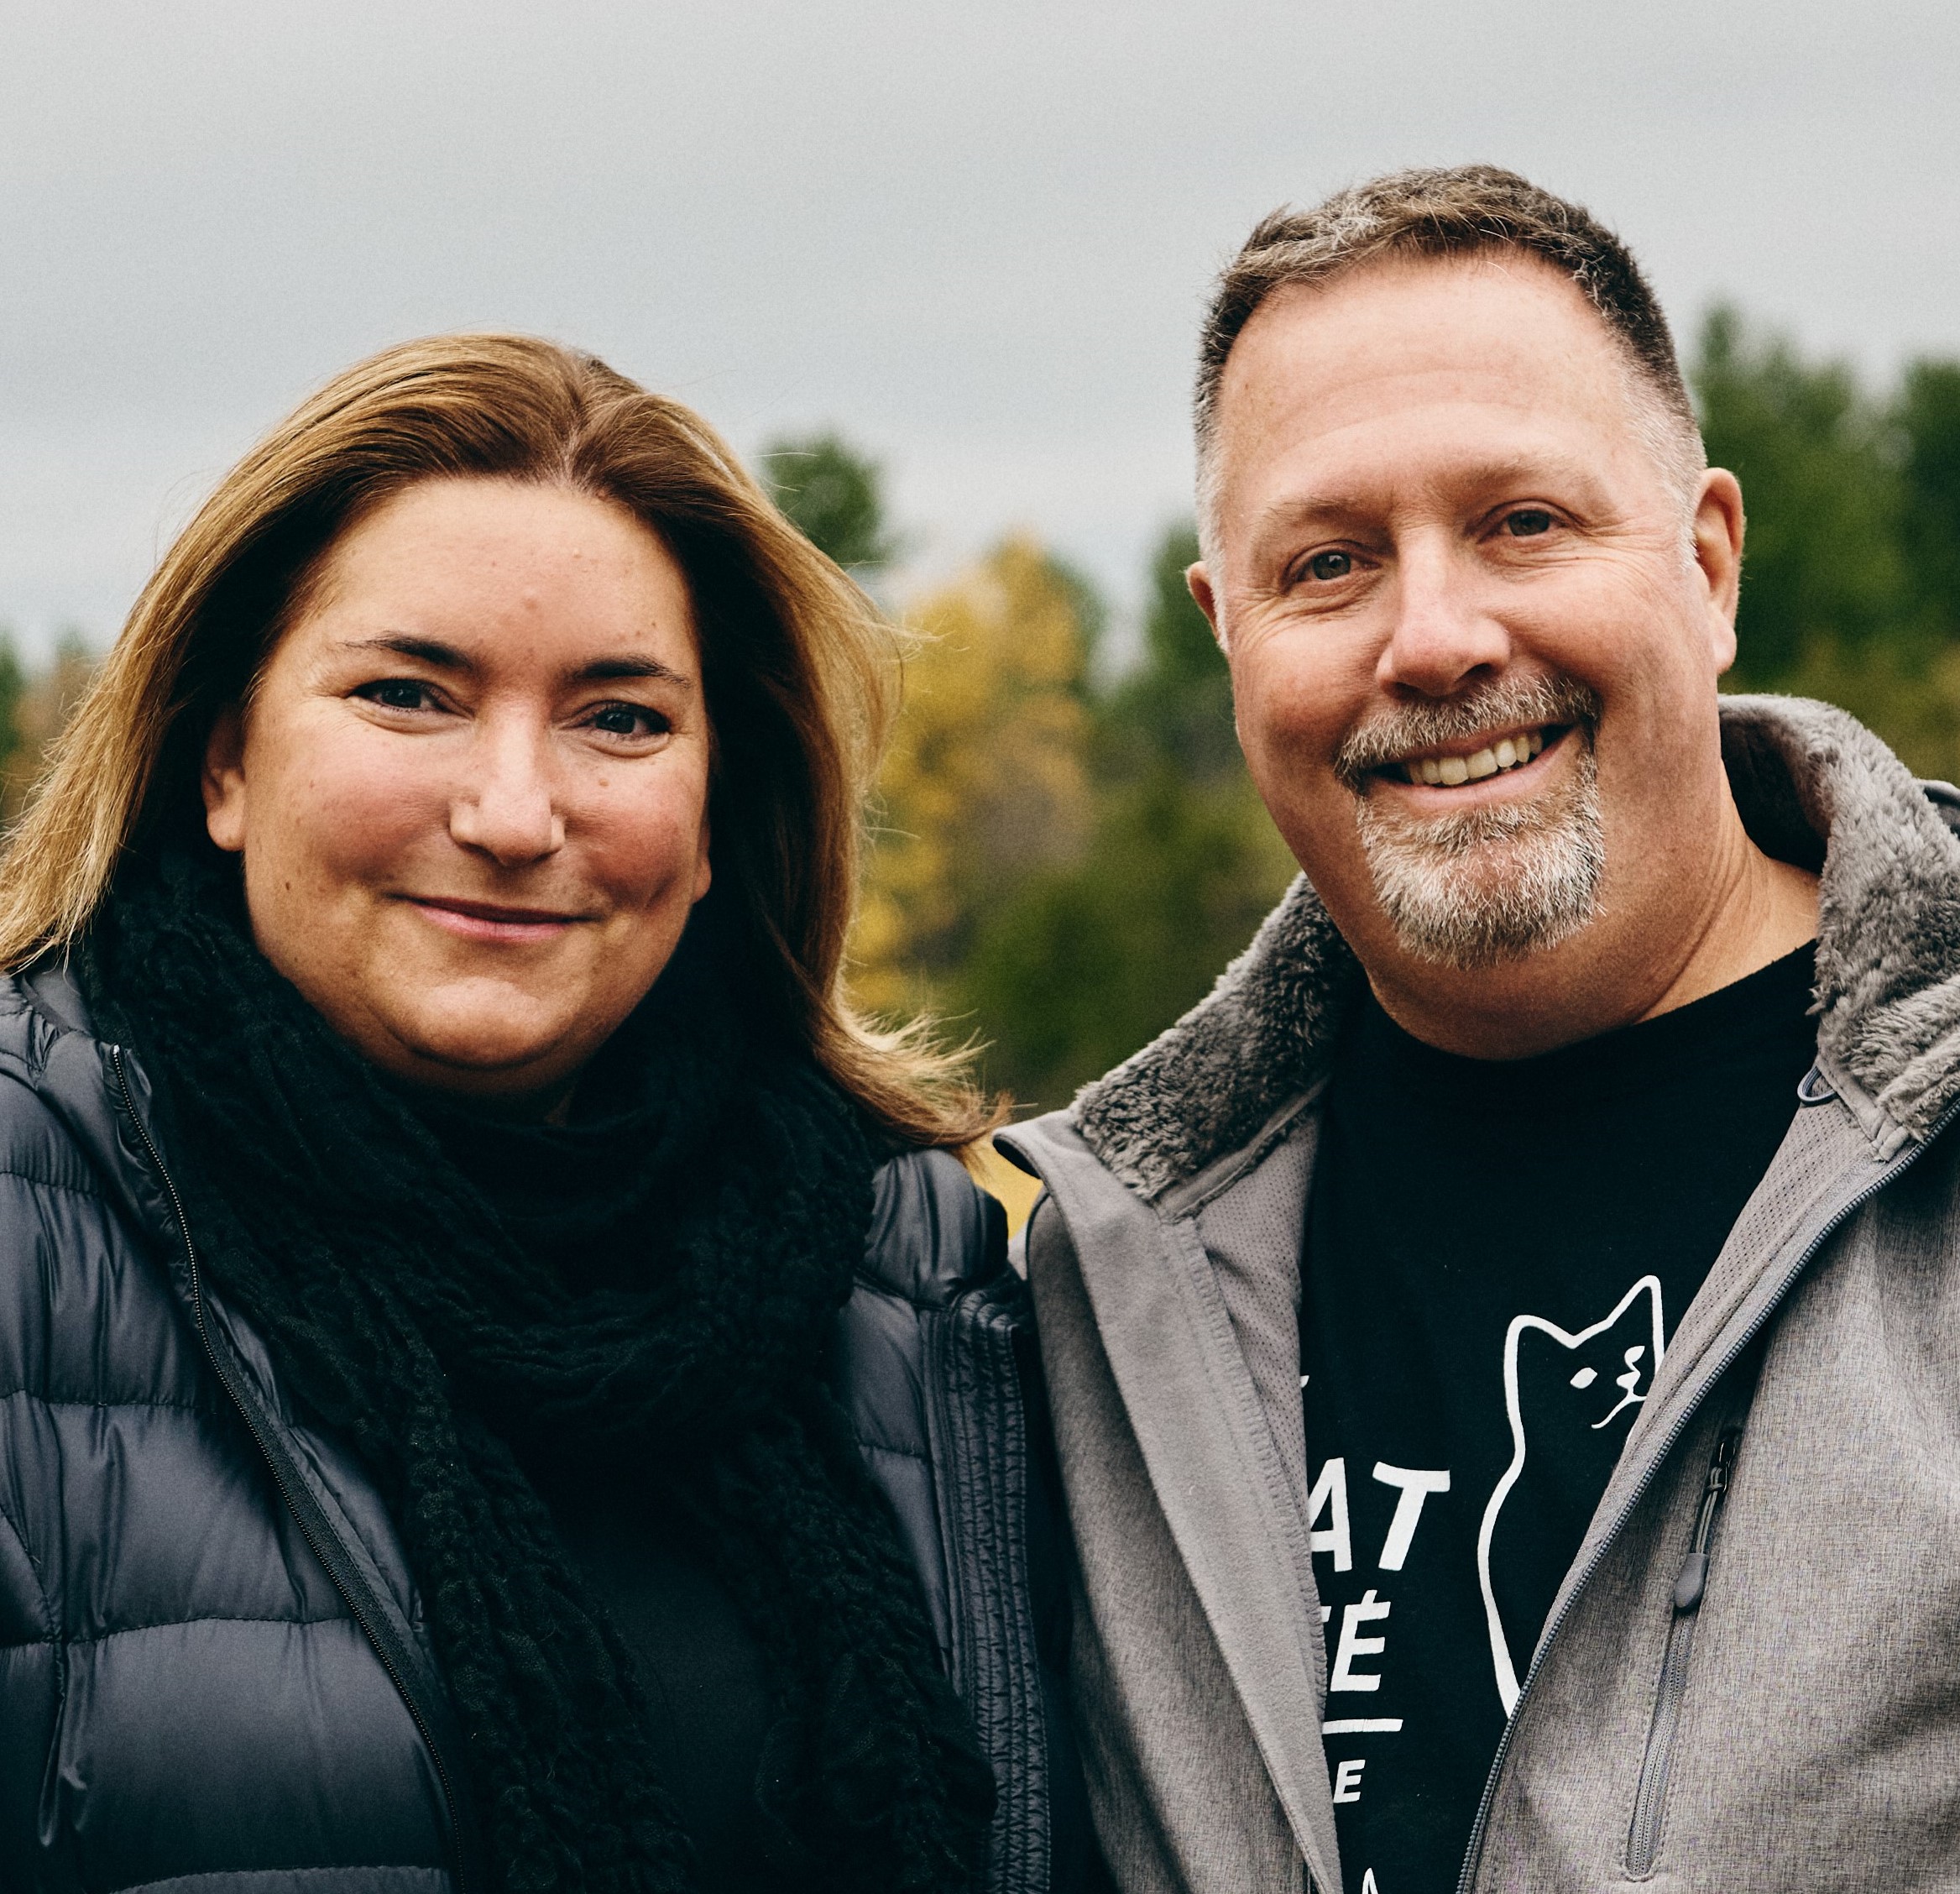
{"x":1754,"y":911}
{"x":1773,"y":912}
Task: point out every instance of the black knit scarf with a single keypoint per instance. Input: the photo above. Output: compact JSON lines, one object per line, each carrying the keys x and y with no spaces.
{"x":405,"y":1309}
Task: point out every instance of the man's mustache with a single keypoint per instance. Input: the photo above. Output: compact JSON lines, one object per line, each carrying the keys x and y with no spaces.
{"x":1492,"y":708}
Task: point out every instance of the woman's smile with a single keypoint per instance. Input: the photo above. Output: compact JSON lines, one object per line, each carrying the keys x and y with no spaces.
{"x":494,"y":923}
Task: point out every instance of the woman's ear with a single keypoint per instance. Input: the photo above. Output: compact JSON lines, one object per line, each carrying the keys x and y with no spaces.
{"x":223,"y":782}
{"x":703,"y":869}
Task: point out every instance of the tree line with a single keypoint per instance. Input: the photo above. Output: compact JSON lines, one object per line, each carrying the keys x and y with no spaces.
{"x":1066,"y":851}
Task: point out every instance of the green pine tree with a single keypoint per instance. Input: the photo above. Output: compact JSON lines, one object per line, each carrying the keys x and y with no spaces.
{"x":834,"y":495}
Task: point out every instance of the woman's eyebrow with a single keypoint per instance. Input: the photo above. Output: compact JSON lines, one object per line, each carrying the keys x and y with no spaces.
{"x":606,"y":670}
{"x":427,"y":650}
{"x":447,"y":657}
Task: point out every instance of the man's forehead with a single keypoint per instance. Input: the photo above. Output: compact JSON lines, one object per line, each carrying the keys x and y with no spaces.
{"x":1503,"y":337}
{"x":1410,"y":367}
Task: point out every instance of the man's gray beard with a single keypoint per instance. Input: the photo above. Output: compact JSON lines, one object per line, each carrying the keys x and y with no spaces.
{"x":1493,"y":883}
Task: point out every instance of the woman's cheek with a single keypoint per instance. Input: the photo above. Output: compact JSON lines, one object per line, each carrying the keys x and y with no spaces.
{"x":369,"y":813}
{"x":639,"y":846}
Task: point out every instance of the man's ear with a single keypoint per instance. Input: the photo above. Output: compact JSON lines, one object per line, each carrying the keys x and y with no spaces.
{"x":223,"y":782}
{"x":1718,"y":558}
{"x":1199,"y":579}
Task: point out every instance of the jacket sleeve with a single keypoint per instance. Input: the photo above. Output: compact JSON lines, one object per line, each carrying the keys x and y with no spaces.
{"x":1076,"y":1863}
{"x":59,"y":1417}
{"x":938,"y":1370}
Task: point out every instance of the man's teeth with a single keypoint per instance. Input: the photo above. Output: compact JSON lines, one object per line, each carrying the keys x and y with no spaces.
{"x":1450,"y":771}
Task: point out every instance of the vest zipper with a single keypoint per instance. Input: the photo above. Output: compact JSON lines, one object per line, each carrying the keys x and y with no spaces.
{"x":315,"y":1528}
{"x":1644,"y":1837}
{"x":1473,"y":1854}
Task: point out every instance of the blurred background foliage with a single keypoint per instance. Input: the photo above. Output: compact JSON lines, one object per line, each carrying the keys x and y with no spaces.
{"x":1067,"y":849}
{"x":1851,"y":580}
{"x":35,"y":703}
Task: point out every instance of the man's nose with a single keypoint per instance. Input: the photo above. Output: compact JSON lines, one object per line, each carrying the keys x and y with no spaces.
{"x":1443,"y":634}
{"x":508,"y":809}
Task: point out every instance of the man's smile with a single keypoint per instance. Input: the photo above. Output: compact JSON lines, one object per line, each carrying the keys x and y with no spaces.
{"x":1472,"y":759}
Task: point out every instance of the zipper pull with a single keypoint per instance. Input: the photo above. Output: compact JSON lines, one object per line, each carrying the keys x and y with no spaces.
{"x":1693,"y":1576}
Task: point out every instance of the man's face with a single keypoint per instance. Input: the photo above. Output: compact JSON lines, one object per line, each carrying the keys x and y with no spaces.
{"x":1474,"y":635}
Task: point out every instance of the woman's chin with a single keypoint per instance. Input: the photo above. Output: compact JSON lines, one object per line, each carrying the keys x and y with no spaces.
{"x":488,"y":1058}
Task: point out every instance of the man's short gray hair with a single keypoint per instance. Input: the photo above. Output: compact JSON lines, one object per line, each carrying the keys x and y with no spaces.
{"x":1462,"y":210}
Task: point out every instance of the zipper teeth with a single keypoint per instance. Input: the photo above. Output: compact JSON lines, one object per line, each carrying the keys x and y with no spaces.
{"x":1026,"y":1846}
{"x":331,"y":1559}
{"x":1657,"y":1763}
{"x":1644,"y":1839}
{"x":1907,"y":1158}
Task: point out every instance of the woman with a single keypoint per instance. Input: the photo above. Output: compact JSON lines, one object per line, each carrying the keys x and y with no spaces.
{"x":505,"y":1388}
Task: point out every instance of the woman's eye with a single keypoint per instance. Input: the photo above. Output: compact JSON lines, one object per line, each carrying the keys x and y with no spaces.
{"x":629,"y":719}
{"x":397,"y":694}
{"x":1325,"y":566}
{"x":1528,"y":523}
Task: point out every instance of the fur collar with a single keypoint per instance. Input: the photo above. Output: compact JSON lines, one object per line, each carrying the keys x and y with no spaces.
{"x":1814,"y":787}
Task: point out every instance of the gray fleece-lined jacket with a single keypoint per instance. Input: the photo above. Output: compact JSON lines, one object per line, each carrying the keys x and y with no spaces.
{"x":1789,"y":1720}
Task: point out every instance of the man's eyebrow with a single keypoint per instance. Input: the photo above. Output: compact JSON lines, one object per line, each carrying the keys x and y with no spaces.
{"x":447,"y":657}
{"x":1310,"y":506}
{"x":1294,"y":511}
{"x":1293,"y":514}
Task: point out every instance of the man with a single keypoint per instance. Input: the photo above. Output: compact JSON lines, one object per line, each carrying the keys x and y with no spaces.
{"x":1505,"y":1343}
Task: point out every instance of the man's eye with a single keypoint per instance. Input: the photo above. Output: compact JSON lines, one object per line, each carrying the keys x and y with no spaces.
{"x":397,"y":694}
{"x":1528,"y":523}
{"x":629,"y":719}
{"x":1324,"y":566}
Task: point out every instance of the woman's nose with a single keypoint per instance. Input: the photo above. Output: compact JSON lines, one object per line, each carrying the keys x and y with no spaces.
{"x":1442,"y":636}
{"x":508,"y":810}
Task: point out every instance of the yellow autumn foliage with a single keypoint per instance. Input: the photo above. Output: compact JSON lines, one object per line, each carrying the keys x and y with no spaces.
{"x":985,"y":780}
{"x":35,"y":713}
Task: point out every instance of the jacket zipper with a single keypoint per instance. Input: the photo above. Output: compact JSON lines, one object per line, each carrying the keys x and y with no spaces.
{"x":314,"y":1527}
{"x":1644,"y":1838}
{"x":1852,"y":1204}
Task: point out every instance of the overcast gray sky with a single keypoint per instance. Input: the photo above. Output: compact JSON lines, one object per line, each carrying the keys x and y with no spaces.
{"x":974,"y":236}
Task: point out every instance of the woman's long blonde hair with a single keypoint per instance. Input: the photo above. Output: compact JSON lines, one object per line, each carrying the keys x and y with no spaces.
{"x":801,"y":671}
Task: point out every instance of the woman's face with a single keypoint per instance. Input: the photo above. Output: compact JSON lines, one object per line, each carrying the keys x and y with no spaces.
{"x":471,"y":789}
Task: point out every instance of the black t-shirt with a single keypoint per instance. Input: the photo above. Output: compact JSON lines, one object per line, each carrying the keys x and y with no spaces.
{"x":1496,"y":1255}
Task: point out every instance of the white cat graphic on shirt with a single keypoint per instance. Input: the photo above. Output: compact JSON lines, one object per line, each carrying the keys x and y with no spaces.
{"x":1602,"y":1373}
